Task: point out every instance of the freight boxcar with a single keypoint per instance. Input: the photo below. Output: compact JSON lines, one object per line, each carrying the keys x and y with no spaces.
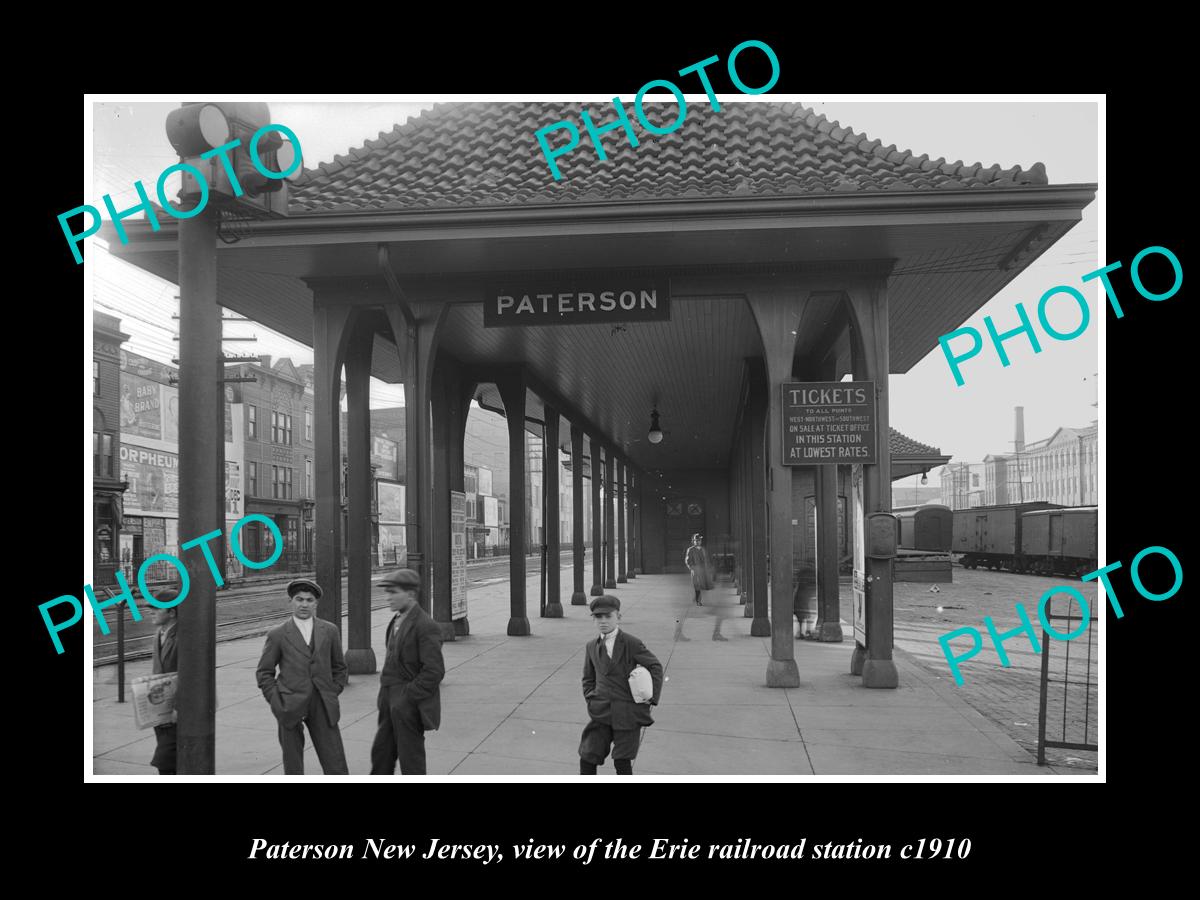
{"x":1059,"y":541}
{"x":929,"y":527}
{"x":990,"y":536}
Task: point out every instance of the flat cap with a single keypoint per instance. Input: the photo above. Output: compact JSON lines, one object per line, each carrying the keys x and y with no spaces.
{"x":168,"y":596}
{"x":304,"y":584}
{"x":607,"y":603}
{"x":405,"y":578}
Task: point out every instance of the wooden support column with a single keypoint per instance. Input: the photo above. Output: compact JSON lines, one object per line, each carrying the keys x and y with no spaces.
{"x":777,"y":313}
{"x":638,"y":548}
{"x":829,"y":625}
{"x":630,"y":503}
{"x":756,"y":515}
{"x":610,"y":582}
{"x":745,"y":537}
{"x":579,"y":596}
{"x":360,"y":658}
{"x":417,"y":343}
{"x":331,"y":330}
{"x":869,"y":307}
{"x":443,"y":396}
{"x":550,"y":468}
{"x":597,"y":524}
{"x":622,"y":578}
{"x":512,"y":393}
{"x":199,"y":513}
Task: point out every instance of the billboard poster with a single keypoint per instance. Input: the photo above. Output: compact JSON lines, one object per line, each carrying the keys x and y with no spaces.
{"x":384,"y":455}
{"x":391,"y":503}
{"x":153,"y":477}
{"x":233,"y":488}
{"x":458,"y":555}
{"x":142,"y":408}
{"x":392,"y":545}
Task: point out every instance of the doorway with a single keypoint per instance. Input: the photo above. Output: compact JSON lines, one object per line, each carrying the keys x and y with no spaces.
{"x":684,"y":517}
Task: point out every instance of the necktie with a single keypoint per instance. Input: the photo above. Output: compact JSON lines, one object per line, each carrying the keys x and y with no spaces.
{"x":603,"y":648}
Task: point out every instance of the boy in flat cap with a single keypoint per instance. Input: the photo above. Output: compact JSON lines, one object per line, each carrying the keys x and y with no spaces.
{"x":164,"y":655}
{"x":409,"y":697}
{"x":616,"y":718}
{"x":307,"y":652}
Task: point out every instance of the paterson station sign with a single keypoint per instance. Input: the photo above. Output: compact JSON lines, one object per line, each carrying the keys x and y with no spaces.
{"x":577,"y":303}
{"x":829,"y":422}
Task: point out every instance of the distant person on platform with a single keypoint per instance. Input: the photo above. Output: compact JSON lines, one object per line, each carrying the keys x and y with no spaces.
{"x":697,"y":562}
{"x":163,"y":660}
{"x":301,"y":673}
{"x":410,"y":701}
{"x":616,"y":717}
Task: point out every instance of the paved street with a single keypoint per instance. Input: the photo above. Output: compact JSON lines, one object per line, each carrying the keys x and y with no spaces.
{"x":1007,"y":696}
{"x":513,"y":706}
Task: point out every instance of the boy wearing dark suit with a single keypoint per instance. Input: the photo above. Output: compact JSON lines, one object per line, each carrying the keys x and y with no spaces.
{"x":163,"y":659}
{"x":409,"y":697}
{"x":307,"y":652}
{"x":616,"y":719}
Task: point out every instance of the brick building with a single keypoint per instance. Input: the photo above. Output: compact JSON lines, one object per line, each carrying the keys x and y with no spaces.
{"x":1062,"y":468}
{"x":277,"y":421}
{"x":149,"y":462}
{"x":107,"y":487}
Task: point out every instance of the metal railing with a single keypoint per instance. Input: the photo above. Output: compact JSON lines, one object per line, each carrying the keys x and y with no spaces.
{"x":1079,"y":684}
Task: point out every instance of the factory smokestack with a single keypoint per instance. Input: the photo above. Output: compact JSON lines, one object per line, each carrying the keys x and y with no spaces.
{"x":1019,"y":436}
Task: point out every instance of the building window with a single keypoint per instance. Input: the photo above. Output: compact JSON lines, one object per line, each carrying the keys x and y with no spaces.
{"x":281,"y":483}
{"x":308,"y":486}
{"x":308,"y":425}
{"x":102,"y":453}
{"x":252,"y":477}
{"x":281,"y":428}
{"x":95,"y":379}
{"x":252,"y":425}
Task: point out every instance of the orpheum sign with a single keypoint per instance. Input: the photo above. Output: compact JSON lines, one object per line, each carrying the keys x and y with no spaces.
{"x":829,"y":422}
{"x":582,"y":302}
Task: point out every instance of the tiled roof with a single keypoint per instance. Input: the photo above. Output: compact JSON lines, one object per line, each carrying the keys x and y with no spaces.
{"x":468,"y":155}
{"x":902,"y":445}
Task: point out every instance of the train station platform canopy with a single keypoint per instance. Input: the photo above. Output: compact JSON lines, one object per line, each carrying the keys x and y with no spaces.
{"x":462,"y":193}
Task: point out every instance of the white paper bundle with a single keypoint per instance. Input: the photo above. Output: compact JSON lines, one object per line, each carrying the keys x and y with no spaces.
{"x":641,"y":685}
{"x":154,"y":699}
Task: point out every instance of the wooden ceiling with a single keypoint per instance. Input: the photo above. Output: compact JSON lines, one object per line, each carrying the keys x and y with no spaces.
{"x":689,"y":368}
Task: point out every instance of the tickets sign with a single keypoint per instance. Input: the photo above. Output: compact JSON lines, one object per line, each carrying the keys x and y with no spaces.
{"x":829,"y":423}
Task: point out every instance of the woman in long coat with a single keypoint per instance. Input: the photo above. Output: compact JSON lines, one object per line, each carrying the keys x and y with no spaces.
{"x":697,"y":562}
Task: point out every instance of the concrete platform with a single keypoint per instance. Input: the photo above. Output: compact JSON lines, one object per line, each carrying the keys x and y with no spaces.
{"x":513,"y":706}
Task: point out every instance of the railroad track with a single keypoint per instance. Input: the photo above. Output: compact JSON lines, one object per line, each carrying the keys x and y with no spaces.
{"x":139,"y":646}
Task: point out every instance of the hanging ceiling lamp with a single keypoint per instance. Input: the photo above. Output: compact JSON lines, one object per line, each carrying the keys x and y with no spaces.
{"x":655,"y":434}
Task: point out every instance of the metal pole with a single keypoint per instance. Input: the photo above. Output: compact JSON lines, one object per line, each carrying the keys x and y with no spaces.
{"x":199,"y":347}
{"x":120,"y":651}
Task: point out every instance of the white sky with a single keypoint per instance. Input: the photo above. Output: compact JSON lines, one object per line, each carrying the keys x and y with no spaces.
{"x":1057,"y":387}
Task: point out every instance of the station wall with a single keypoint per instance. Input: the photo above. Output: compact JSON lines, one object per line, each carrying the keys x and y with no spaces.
{"x":708,"y":486}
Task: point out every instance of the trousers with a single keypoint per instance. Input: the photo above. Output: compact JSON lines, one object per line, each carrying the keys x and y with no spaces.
{"x":326,"y":738}
{"x":598,"y":736}
{"x":401,"y":736}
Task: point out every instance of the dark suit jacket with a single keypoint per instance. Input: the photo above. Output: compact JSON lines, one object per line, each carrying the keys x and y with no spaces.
{"x":300,"y":671}
{"x":419,"y":661}
{"x":164,"y":660}
{"x":606,"y":682}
